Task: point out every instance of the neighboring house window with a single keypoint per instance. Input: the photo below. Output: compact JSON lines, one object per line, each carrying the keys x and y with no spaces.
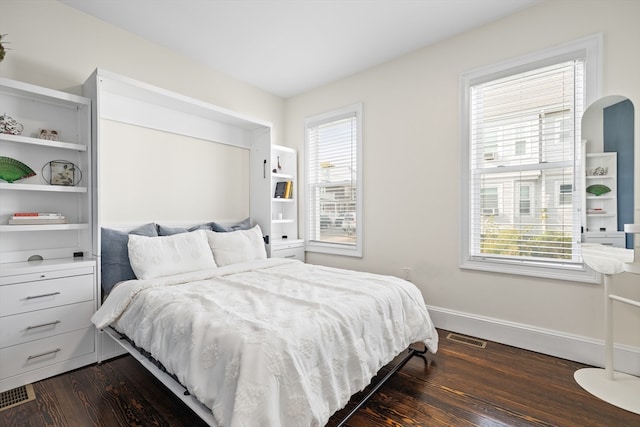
{"x":524,"y":200}
{"x":489,"y":201}
{"x":333,"y":166}
{"x":565,"y":195}
{"x":521,"y":133}
{"x":521,"y":147}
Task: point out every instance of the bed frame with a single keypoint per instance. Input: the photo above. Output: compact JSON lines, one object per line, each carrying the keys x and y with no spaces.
{"x":411,"y":353}
{"x":158,"y":371}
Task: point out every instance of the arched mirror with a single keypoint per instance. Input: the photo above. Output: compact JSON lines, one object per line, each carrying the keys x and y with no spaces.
{"x":608,"y":156}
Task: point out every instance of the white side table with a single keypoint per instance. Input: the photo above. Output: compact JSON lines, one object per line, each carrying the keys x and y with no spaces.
{"x":617,"y":388}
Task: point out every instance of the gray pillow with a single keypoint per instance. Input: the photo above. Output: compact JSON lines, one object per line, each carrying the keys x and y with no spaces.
{"x":169,"y":231}
{"x":245,"y":224}
{"x":115,"y":255}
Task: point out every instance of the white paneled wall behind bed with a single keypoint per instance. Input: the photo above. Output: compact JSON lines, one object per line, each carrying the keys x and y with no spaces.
{"x":163,"y":157}
{"x":170,"y":178}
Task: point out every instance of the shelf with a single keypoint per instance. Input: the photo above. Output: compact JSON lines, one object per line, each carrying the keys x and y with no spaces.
{"x":42,"y":142}
{"x":283,"y":221}
{"x":42,"y":187}
{"x":600,"y":215}
{"x":600,"y":197}
{"x":600,"y":177}
{"x":40,"y":94}
{"x":283,"y":200}
{"x":283,"y":176}
{"x":43,"y":227}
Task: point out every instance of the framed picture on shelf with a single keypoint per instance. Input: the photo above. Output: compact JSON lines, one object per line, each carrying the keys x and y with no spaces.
{"x":62,"y":172}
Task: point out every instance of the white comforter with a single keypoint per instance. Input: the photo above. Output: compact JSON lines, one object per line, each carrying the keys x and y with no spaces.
{"x":273,"y":342}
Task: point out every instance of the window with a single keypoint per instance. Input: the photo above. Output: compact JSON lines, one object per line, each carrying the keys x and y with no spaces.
{"x":565,"y":194}
{"x":489,"y":201}
{"x":333,"y":153}
{"x":521,"y":135}
{"x":524,"y":200}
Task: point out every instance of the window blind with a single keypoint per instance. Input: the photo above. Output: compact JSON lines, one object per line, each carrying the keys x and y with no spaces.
{"x":524,"y":157}
{"x":332,"y":163}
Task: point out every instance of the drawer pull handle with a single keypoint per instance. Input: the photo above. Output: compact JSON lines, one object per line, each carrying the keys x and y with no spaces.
{"x":55,"y":322}
{"x":43,"y":295}
{"x":289,"y":256}
{"x":35,"y":356}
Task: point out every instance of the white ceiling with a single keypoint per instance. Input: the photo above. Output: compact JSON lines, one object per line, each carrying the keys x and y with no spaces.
{"x":287,"y":47}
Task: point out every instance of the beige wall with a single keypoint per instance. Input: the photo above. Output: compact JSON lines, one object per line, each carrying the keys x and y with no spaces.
{"x":412,"y":165}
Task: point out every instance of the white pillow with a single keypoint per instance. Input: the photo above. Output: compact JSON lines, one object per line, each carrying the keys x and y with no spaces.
{"x":153,"y":257}
{"x":237,"y":246}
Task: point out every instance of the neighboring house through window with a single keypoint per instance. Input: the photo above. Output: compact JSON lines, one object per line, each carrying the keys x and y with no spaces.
{"x":522,"y":155}
{"x":333,"y":166}
{"x":524,"y":199}
{"x":565,"y":194}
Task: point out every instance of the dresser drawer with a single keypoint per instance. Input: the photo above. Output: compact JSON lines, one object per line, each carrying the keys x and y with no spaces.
{"x":18,"y":359}
{"x":45,"y":275}
{"x":293,"y":253}
{"x":24,"y":297}
{"x":617,"y":239}
{"x":25,"y":327}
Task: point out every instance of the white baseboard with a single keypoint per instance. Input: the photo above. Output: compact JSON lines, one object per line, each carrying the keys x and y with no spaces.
{"x":559,"y":344}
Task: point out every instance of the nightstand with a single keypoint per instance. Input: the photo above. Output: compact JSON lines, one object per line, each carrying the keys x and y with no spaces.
{"x":285,"y":248}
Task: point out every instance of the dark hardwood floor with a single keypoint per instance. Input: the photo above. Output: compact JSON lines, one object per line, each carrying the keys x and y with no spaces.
{"x":459,"y":386}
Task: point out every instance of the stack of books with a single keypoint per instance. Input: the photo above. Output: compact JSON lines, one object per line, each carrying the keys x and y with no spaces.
{"x":30,"y":218}
{"x":284,"y":190}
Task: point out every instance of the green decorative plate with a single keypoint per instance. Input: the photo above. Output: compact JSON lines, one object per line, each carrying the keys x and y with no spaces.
{"x":598,"y":189}
{"x":13,"y":170}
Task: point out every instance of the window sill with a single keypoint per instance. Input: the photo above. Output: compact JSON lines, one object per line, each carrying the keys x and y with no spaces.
{"x":328,"y":248}
{"x":570,"y":273}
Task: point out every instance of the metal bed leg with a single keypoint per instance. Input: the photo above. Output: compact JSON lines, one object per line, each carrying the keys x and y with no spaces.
{"x":412,"y":352}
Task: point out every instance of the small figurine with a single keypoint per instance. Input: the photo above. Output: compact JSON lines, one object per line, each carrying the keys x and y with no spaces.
{"x":50,"y":135}
{"x":600,"y":171}
{"x":10,"y":125}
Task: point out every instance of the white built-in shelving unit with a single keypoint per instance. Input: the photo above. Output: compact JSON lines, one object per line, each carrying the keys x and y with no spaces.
{"x":284,"y":211}
{"x":601,"y":212}
{"x":47,"y":274}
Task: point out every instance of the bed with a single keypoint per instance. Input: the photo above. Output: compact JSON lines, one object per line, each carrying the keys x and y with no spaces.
{"x":260,"y":341}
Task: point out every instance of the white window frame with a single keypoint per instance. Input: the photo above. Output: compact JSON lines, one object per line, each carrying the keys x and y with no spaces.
{"x":327,"y":247}
{"x":518,"y":200}
{"x":498,"y":208}
{"x":591,"y":48}
{"x":559,"y":193}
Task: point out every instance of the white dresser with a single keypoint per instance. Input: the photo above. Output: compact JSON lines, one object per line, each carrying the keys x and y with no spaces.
{"x":45,"y":311}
